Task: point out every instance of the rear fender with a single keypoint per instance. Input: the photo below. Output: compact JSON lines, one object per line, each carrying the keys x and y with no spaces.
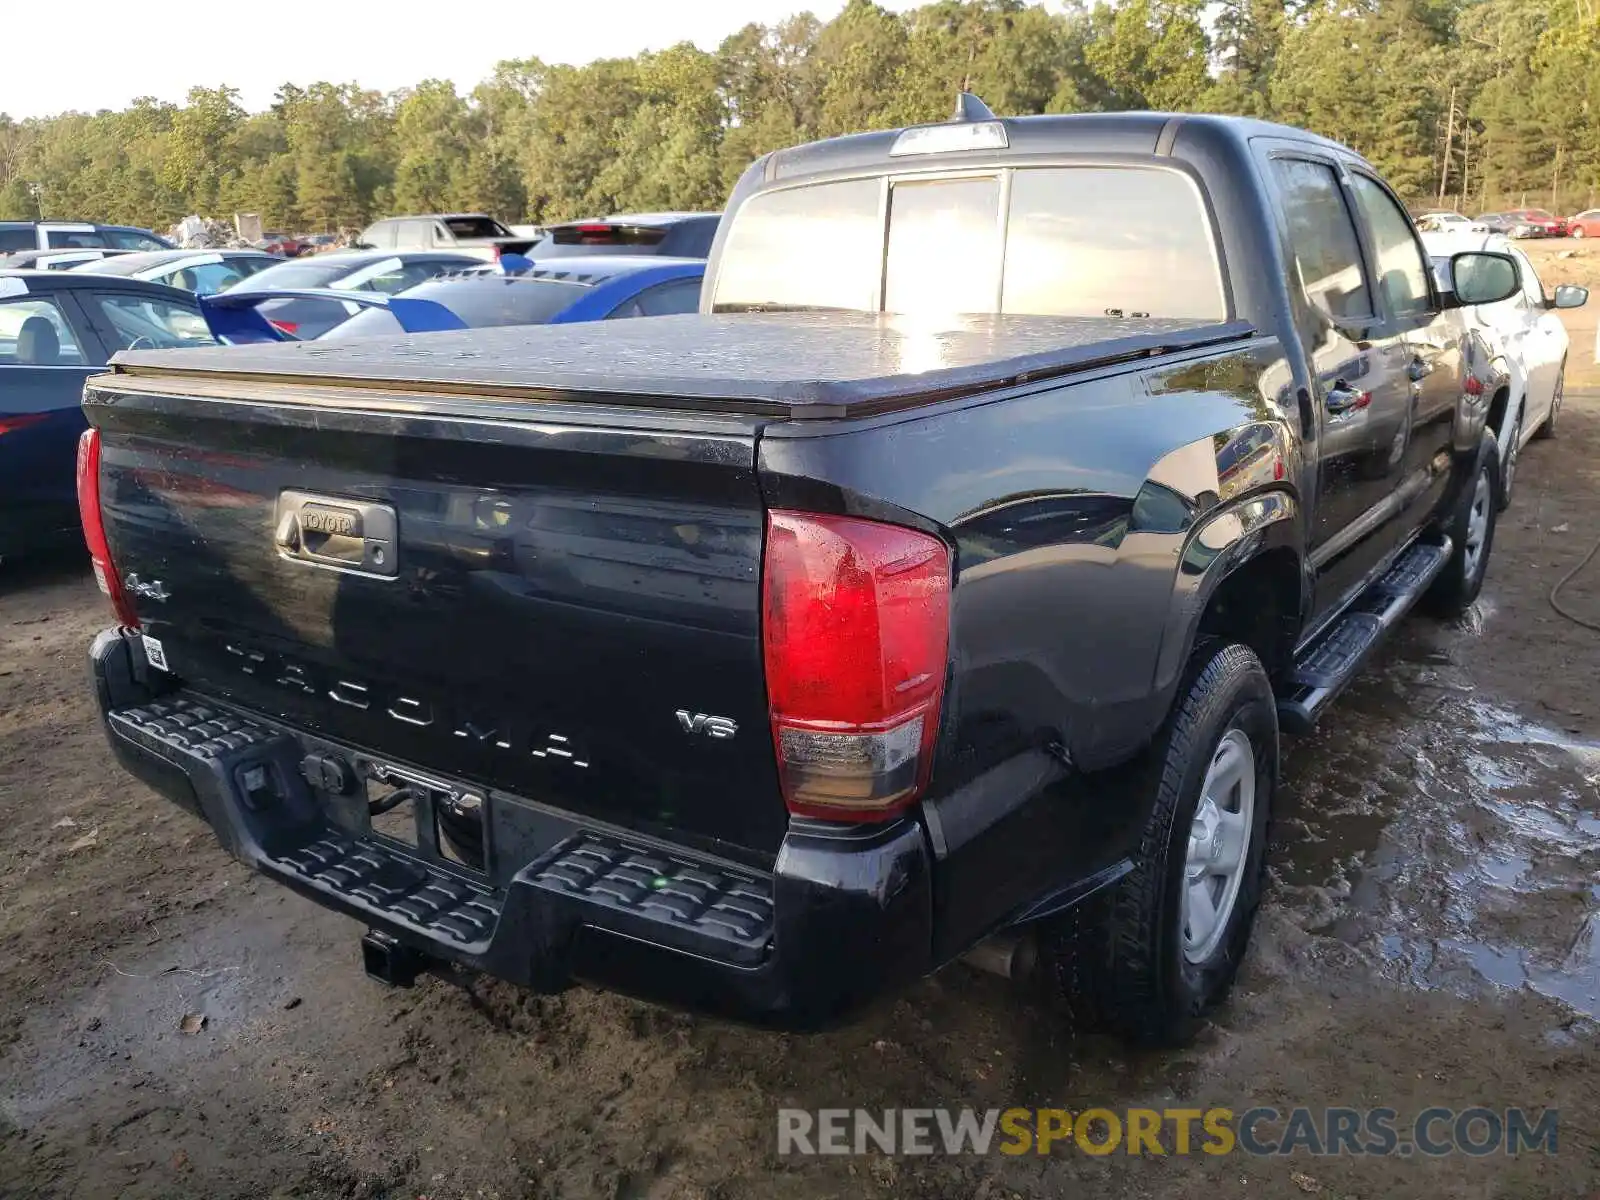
{"x":1222,"y":542}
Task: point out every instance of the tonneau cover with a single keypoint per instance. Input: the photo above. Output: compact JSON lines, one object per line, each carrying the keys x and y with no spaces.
{"x":824,"y":364}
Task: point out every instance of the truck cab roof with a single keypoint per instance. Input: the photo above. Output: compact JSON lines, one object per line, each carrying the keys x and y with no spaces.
{"x":1132,"y":133}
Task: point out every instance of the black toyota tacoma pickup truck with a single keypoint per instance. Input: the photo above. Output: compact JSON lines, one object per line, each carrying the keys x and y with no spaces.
{"x":939,"y":590}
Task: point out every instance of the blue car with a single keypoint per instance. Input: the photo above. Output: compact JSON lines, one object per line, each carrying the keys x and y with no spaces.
{"x":56,"y":329}
{"x":514,"y":292}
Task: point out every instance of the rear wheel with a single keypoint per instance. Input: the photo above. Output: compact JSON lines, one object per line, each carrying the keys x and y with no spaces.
{"x":1152,"y":957}
{"x":1548,"y":429}
{"x":1577,"y":231}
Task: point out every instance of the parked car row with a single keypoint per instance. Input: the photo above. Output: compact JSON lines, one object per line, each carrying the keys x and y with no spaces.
{"x":65,"y":311}
{"x":16,"y":236}
{"x":545,"y":293}
{"x":1513,"y":223}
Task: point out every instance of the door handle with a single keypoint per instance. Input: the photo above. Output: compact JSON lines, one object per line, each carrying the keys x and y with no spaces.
{"x":1418,"y":369}
{"x":1343,"y":398}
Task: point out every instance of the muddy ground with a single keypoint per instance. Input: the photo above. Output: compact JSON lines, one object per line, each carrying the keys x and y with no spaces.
{"x":1431,"y":936}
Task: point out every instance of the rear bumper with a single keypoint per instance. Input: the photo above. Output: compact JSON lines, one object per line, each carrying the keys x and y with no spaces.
{"x":844,"y":916}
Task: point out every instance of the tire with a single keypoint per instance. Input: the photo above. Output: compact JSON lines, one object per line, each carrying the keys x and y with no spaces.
{"x":1133,"y":960}
{"x":1471,"y":531}
{"x":1547,"y":428}
{"x":1508,"y":466}
{"x":1576,"y":231}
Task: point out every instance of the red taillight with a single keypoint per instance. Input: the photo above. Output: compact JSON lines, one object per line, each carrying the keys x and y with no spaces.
{"x":289,"y":327}
{"x":94,"y":528}
{"x":856,"y":634}
{"x":20,"y":421}
{"x":1473,"y":386}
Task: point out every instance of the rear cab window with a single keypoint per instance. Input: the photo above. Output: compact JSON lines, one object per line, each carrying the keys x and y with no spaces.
{"x":34,"y":332}
{"x":475,"y":227}
{"x":1080,"y":241}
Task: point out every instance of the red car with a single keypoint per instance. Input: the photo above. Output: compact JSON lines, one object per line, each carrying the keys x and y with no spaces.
{"x":283,"y":244}
{"x":1585,"y":224}
{"x":1543,"y":222}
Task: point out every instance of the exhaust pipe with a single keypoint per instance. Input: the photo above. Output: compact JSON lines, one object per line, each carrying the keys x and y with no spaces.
{"x":1010,"y":955}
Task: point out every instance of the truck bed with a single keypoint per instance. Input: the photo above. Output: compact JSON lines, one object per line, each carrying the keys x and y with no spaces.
{"x":784,"y":365}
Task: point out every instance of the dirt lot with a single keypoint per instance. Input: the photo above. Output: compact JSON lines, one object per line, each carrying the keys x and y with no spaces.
{"x":1432,"y":936}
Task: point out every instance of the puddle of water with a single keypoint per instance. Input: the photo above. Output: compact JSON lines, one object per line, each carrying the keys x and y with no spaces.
{"x":1453,"y":842}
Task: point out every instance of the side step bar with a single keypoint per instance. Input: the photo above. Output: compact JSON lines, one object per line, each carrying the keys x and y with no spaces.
{"x":1324,"y":668}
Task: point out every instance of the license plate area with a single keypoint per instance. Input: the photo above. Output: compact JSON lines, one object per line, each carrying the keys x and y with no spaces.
{"x":426,"y":815}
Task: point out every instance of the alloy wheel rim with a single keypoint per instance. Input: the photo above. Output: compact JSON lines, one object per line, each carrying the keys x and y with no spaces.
{"x":1219,"y":844}
{"x":1478,"y":524}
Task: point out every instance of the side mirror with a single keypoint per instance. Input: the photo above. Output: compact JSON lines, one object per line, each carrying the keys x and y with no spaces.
{"x":1481,"y":277}
{"x":1570,"y":295}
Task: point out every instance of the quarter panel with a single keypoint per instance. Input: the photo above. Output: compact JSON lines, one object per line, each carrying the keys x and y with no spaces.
{"x":1069,"y":509}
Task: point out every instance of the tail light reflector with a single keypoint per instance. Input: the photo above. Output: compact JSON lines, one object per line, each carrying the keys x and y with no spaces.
{"x":289,"y":327}
{"x":856,"y":628}
{"x":94,"y":528}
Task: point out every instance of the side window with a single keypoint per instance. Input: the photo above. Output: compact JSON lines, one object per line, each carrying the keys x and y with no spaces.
{"x":662,"y":300}
{"x":1402,"y":273}
{"x":34,"y":333}
{"x":146,"y":323}
{"x":1322,"y":239}
{"x":18,"y":238}
{"x":250,"y":266}
{"x":401,"y":277}
{"x":58,"y":238}
{"x":132,"y":239}
{"x":206,"y":279}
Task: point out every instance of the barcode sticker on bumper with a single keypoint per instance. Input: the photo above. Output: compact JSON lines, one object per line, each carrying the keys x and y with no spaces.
{"x":154,"y":654}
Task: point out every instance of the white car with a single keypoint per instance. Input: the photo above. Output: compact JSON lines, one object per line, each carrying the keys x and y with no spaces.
{"x":1525,"y":332}
{"x":203,"y":272}
{"x":1443,"y":221}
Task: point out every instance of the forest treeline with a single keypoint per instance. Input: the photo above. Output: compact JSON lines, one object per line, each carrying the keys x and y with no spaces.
{"x":1498,"y":100}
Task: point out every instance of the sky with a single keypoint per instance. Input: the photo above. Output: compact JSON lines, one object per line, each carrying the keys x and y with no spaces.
{"x":256,"y":47}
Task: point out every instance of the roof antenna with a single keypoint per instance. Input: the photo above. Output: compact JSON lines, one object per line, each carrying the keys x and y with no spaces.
{"x":970,"y":108}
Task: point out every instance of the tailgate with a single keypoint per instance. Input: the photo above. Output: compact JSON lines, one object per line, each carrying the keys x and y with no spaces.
{"x":562,"y":602}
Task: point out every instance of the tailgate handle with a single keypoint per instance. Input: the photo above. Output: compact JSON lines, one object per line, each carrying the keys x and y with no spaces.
{"x":337,"y":533}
